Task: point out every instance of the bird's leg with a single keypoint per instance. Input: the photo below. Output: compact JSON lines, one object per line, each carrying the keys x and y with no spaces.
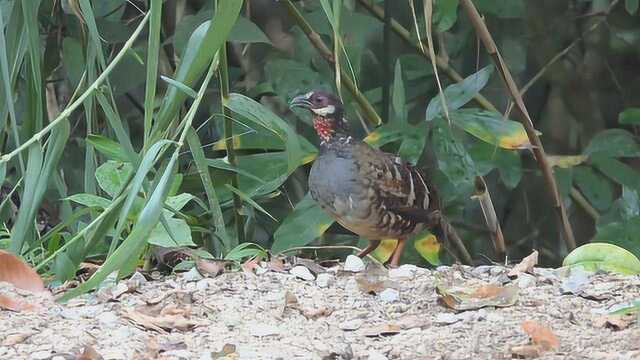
{"x":394,"y":260}
{"x":373,"y":244}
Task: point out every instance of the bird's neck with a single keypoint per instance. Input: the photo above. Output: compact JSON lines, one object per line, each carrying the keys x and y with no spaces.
{"x":330,"y":131}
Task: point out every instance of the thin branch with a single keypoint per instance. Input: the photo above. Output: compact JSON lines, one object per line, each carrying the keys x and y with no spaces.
{"x":538,"y":150}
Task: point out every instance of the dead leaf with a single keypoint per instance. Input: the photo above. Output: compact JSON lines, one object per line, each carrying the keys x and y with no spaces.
{"x":380,"y":330}
{"x":251,"y":265}
{"x":373,"y":280}
{"x":162,"y":323}
{"x":526,"y":351}
{"x":526,"y":265}
{"x":228,"y":352}
{"x":15,"y":271}
{"x":541,"y":335}
{"x":460,"y":298}
{"x":15,"y":339}
{"x":211,"y":268}
{"x":276,"y":264}
{"x":614,"y":321}
{"x":310,"y":264}
{"x":313,"y":314}
{"x":12,"y":304}
{"x":89,"y":353}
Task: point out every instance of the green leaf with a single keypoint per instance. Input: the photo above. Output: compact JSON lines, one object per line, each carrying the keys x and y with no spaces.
{"x":398,"y":97}
{"x":507,"y":9}
{"x":428,"y":247}
{"x":631,"y":6}
{"x":488,"y":157}
{"x":490,"y":127}
{"x":453,"y":159}
{"x":603,"y":256}
{"x":617,"y":171}
{"x":245,"y":31}
{"x":445,"y":14}
{"x":179,"y":201}
{"x":90,"y":200}
{"x":108,"y":147}
{"x":304,"y":224}
{"x":180,"y":86}
{"x":597,"y":189}
{"x":250,"y":201}
{"x":180,"y":229}
{"x":630,"y":116}
{"x":613,"y":143}
{"x":112,"y":176}
{"x":245,"y":250}
{"x":460,"y":93}
{"x":625,"y":233}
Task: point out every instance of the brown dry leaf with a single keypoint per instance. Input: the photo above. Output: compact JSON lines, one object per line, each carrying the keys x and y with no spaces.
{"x":9,"y":303}
{"x":15,"y":339}
{"x":412,"y":321}
{"x":373,"y":280}
{"x":380,"y":330}
{"x":162,"y":323}
{"x":526,"y":351}
{"x":211,"y":268}
{"x":541,"y":335}
{"x":310,"y":264}
{"x":276,"y":264}
{"x":526,"y":265}
{"x":313,"y":314}
{"x":16,"y":272}
{"x":250,"y":265}
{"x":614,"y":322}
{"x":475,"y":298}
{"x":89,"y":353}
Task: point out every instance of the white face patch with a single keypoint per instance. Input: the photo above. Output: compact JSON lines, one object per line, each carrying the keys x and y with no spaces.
{"x":329,"y":109}
{"x":308,"y":95}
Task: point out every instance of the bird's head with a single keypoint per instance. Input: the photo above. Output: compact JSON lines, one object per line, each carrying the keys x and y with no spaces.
{"x":327,"y":112}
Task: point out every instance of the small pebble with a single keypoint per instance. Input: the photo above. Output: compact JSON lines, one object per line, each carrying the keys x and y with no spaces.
{"x":526,"y":281}
{"x":389,"y":295}
{"x":350,"y":325}
{"x":403,"y":272}
{"x":192,"y":275}
{"x":353,"y":264}
{"x":324,"y":280}
{"x":302,"y":273}
{"x":108,"y":318}
{"x":374,"y":355}
{"x":447,"y":319}
{"x":260,"y":330}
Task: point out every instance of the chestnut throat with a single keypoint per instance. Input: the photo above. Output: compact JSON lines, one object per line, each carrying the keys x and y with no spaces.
{"x":330,"y":131}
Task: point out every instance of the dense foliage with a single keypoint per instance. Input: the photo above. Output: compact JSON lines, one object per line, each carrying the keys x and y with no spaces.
{"x":165,"y":123}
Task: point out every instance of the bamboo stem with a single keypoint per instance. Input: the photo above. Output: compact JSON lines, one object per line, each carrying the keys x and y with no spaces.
{"x":525,"y":119}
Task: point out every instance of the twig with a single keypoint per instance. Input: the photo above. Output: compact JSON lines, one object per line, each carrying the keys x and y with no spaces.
{"x":525,"y":119}
{"x":315,"y":39}
{"x":489,"y":212}
{"x":582,"y":201}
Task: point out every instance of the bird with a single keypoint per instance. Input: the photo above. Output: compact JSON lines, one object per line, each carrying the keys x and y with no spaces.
{"x":370,"y":192}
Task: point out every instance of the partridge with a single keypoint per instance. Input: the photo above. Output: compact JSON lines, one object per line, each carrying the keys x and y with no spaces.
{"x":372,"y":193}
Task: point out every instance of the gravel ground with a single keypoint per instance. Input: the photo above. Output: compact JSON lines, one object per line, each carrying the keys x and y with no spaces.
{"x":276,"y":315}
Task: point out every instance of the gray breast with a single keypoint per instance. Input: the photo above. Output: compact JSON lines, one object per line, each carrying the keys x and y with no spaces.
{"x":332,"y":180}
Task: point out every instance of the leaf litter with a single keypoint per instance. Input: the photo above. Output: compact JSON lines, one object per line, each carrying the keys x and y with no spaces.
{"x":271,"y":314}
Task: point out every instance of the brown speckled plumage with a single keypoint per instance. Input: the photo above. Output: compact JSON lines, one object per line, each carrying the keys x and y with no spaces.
{"x":375,"y":194}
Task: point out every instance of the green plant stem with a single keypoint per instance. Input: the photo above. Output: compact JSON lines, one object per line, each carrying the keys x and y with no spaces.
{"x":64,"y":114}
{"x":442,"y":64}
{"x":223,"y":74}
{"x":314,"y":38}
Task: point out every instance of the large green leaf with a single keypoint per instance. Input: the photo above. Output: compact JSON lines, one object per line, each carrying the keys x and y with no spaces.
{"x":602,"y":256}
{"x":625,"y":233}
{"x":245,"y":31}
{"x":630,"y":116}
{"x":112,"y":176}
{"x":617,"y":171}
{"x":108,"y":147}
{"x":453,"y":159}
{"x":613,"y":143}
{"x":445,"y":14}
{"x":180,"y":229}
{"x":596,"y":188}
{"x":490,"y":127}
{"x":458,"y":94}
{"x":306,"y":223}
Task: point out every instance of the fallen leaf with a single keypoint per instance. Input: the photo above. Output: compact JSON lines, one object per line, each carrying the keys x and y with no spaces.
{"x":526,"y":265}
{"x":228,"y":351}
{"x":459,"y":298}
{"x":9,"y":303}
{"x":15,"y":339}
{"x":310,"y":264}
{"x":211,"y":268}
{"x":374,"y":279}
{"x":541,"y":335}
{"x":380,"y":330}
{"x":89,"y":353}
{"x":251,"y":265}
{"x":276,"y":264}
{"x":313,"y":314}
{"x":15,"y":271}
{"x":526,"y":351}
{"x":614,"y":322}
{"x":162,"y":323}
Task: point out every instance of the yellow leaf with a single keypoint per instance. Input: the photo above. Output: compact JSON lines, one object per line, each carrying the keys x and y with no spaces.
{"x":428,"y":247}
{"x":385,"y":249}
{"x":566,"y":161}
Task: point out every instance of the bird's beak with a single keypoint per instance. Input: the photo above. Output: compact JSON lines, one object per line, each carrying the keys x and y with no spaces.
{"x":301,"y":101}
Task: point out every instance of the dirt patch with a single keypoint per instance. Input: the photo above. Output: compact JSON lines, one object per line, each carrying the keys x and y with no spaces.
{"x":276,"y":315}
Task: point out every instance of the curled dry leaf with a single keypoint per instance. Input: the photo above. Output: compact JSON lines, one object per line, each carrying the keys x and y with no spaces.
{"x":9,"y":303}
{"x":211,"y":268}
{"x":15,"y":271}
{"x":89,"y":353}
{"x":380,"y":330}
{"x":614,"y":321}
{"x":228,"y":352}
{"x":526,"y":265}
{"x":374,"y":280}
{"x":541,"y":335}
{"x":526,"y":351}
{"x":478,"y":297}
{"x":251,"y":265}
{"x":161,"y":323}
{"x":276,"y":264}
{"x":15,"y":339}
